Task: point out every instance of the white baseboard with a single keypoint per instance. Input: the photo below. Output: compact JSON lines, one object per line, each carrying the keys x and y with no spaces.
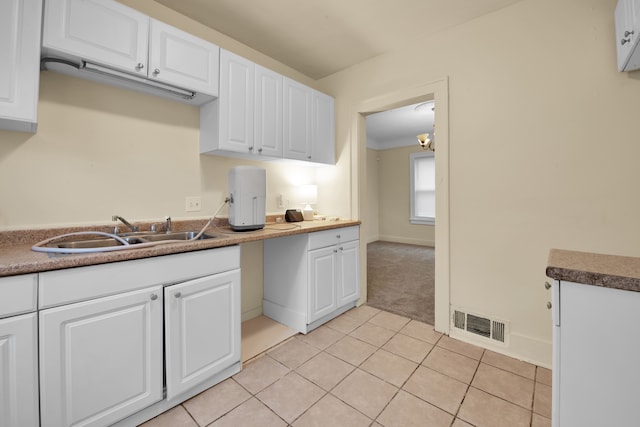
{"x":407,"y":240}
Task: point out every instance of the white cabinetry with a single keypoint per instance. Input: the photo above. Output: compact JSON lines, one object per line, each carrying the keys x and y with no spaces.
{"x":595,"y":356}
{"x":102,"y":328}
{"x":262,"y":113}
{"x":101,"y":360}
{"x":246,"y":119}
{"x":107,"y":35}
{"x":18,"y":352}
{"x":19,"y":63}
{"x":627,"y":23}
{"x":309,"y":279}
{"x":202,"y":322}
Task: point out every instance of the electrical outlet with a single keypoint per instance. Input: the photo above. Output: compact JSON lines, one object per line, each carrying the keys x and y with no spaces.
{"x":280,"y":201}
{"x":193,"y":204}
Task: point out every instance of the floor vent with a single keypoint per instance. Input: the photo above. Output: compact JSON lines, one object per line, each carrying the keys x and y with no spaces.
{"x":485,"y":327}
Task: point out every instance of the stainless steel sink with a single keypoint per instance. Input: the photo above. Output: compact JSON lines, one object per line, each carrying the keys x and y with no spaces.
{"x":131,"y":238}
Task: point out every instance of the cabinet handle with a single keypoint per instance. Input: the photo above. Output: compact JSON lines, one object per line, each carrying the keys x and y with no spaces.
{"x":628,"y":33}
{"x":250,"y":148}
{"x":547,"y":285}
{"x":341,"y":248}
{"x":337,"y":236}
{"x":335,"y":251}
{"x":177,"y":294}
{"x":156,"y":72}
{"x":154,"y":297}
{"x":259,"y":150}
{"x":624,"y":41}
{"x":549,"y":305}
{"x":308,"y":157}
{"x":139,"y":66}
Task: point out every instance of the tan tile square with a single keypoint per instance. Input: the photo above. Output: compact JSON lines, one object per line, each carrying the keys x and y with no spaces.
{"x":422,"y":331}
{"x":321,"y":337}
{"x":410,"y":348}
{"x":251,"y":413}
{"x":174,"y":417}
{"x":290,"y":396}
{"x":344,"y":323}
{"x":389,"y":320}
{"x":372,"y":334}
{"x":484,"y":410}
{"x":406,"y":410}
{"x":365,"y":392}
{"x":510,"y":364}
{"x":351,"y":350}
{"x":503,"y":384}
{"x":437,"y":389}
{"x":455,"y":365}
{"x":216,"y":401}
{"x":389,"y":367}
{"x":260,"y":373}
{"x":540,"y":421}
{"x":325,"y":370}
{"x":330,"y":411}
{"x":544,"y":376}
{"x":363,"y":313}
{"x":293,"y":353}
{"x":460,"y":347}
{"x":542,"y":400}
{"x":459,"y":423}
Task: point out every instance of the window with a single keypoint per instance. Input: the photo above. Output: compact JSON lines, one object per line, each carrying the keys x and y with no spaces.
{"x":423,"y":188}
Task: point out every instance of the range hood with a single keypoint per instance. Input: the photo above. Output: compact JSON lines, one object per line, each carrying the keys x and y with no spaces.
{"x":102,"y":74}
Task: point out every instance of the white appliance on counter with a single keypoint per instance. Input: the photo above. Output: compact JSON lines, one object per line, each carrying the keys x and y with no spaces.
{"x":247,"y":194}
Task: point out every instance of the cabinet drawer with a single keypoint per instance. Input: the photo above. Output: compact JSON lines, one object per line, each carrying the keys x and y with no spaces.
{"x":18,"y":294}
{"x":322,"y":239}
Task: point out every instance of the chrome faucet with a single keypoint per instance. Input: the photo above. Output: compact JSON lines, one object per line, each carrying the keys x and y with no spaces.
{"x":168,"y":224}
{"x":133,"y":228}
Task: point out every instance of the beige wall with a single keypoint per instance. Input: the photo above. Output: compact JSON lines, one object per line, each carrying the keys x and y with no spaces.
{"x":371,"y":213}
{"x":394,"y":205}
{"x":543,"y":149}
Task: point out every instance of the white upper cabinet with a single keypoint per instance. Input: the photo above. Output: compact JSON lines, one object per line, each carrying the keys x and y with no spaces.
{"x":103,"y":32}
{"x":19,"y":59}
{"x":268,"y":112}
{"x":297,"y":120}
{"x":179,"y":58}
{"x":104,"y":38}
{"x":627,"y":23}
{"x":323,"y":128}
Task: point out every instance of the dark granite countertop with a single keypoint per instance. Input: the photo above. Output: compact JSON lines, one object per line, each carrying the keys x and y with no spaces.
{"x":610,"y":271}
{"x":16,"y":256}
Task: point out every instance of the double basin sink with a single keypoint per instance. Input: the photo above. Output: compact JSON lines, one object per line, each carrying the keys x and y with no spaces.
{"x":130,"y":238}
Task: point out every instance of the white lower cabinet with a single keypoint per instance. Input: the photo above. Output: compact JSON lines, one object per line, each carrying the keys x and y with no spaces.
{"x":311,"y":278}
{"x":202,"y":321}
{"x":19,"y":371}
{"x":101,"y":360}
{"x":123,"y":342}
{"x":595,"y":356}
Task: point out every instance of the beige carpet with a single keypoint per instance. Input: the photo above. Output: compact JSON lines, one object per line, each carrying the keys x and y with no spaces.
{"x":400,"y":279}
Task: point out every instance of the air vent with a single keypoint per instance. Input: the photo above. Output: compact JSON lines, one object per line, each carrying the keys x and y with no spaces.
{"x":485,"y":327}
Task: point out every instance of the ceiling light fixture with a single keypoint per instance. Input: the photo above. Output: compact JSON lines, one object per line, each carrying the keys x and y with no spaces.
{"x":425,"y":142}
{"x":425,"y":107}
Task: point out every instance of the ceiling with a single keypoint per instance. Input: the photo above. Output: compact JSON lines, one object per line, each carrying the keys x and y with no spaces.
{"x":399,"y":127}
{"x":321,"y":37}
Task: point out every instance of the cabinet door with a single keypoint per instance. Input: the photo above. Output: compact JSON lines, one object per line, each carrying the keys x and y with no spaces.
{"x":19,"y":59}
{"x":323,"y":128}
{"x":348,"y":272}
{"x":19,"y":371}
{"x":101,"y":360}
{"x":100,"y":31}
{"x":183,"y":60}
{"x":598,"y":354}
{"x":268,"y":112}
{"x":297,"y":120}
{"x":202,"y":329}
{"x":236,"y":103}
{"x":322,"y":282}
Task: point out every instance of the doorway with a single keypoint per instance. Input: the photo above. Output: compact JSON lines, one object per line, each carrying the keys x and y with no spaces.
{"x":437,"y":91}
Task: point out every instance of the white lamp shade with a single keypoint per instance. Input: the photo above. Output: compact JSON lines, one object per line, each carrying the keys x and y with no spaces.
{"x":308,"y":196}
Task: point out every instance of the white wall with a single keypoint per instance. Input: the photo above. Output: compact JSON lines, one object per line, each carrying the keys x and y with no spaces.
{"x":543,"y":149}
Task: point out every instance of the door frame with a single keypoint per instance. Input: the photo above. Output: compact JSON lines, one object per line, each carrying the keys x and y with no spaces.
{"x":438,"y":91}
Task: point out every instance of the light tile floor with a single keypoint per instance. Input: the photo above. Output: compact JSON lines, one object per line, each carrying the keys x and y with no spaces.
{"x":373,"y":368}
